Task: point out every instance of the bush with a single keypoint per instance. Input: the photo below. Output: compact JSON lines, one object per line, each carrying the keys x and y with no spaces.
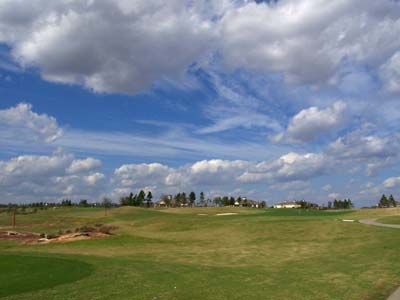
{"x":106,"y":229}
{"x":87,"y":229}
{"x":52,"y":236}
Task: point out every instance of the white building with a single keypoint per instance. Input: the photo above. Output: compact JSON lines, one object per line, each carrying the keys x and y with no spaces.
{"x":287,"y":204}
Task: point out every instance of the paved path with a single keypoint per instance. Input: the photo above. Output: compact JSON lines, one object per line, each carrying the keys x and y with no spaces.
{"x":395,"y":295}
{"x":373,"y":222}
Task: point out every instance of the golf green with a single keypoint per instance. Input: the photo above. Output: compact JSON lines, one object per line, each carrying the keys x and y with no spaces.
{"x":21,"y":274}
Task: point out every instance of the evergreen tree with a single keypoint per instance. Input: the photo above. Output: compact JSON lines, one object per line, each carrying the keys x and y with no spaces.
{"x":149,"y":196}
{"x":202,"y":198}
{"x":183,"y":198}
{"x":178,"y":199}
{"x":335,"y":204}
{"x":131,"y":200}
{"x":391,"y":201}
{"x":384,"y":202}
{"x":192,"y":198}
{"x":140,"y":198}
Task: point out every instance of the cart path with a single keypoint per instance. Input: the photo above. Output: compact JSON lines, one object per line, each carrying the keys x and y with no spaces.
{"x":373,"y":222}
{"x":395,"y":295}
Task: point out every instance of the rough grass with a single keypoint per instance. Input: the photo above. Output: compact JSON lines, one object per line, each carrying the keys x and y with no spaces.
{"x":256,"y":254}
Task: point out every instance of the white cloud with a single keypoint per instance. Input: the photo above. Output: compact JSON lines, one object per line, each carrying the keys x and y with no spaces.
{"x":334,"y":195}
{"x":162,"y":179}
{"x":30,"y":178}
{"x":307,"y":40}
{"x":356,"y":146}
{"x":291,"y":171}
{"x":83,"y":165}
{"x":140,"y":175}
{"x":289,"y":167}
{"x":373,"y":151}
{"x":310,"y":123}
{"x":107,"y":46}
{"x":171,"y":144}
{"x":123,"y":46}
{"x":21,"y":123}
{"x":234,"y":107}
{"x":392,"y":182}
{"x":245,"y":120}
{"x":390,"y":73}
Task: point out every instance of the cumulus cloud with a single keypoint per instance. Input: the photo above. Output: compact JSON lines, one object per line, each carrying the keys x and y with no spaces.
{"x":83,"y":165}
{"x":278,"y":37}
{"x":48,"y":178}
{"x":357,"y":146}
{"x":121,"y":46}
{"x":20,"y":122}
{"x":310,"y":123}
{"x":289,"y":167}
{"x":292,"y":170}
{"x":392,"y":182}
{"x":374,"y":151}
{"x":106,"y":46}
{"x":334,"y":195}
{"x":140,"y":175}
{"x":161,"y":178}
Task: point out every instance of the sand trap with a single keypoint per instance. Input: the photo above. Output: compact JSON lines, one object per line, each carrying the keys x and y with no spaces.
{"x":202,"y":214}
{"x":227,"y":214}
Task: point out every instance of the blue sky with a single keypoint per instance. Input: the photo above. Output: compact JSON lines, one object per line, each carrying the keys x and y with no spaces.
{"x":282,"y":100}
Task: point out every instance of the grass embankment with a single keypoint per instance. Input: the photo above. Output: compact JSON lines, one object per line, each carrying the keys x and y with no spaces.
{"x":390,"y":220}
{"x":194,"y":254}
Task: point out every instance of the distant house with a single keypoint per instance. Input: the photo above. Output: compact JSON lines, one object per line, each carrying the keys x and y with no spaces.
{"x":288,"y":204}
{"x":166,"y":200}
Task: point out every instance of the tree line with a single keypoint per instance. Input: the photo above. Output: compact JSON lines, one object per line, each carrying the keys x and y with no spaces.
{"x":181,"y":199}
{"x":387,"y":202}
{"x":340,"y":204}
{"x":138,"y":199}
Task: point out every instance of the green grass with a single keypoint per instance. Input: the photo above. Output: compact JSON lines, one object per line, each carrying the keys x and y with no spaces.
{"x":390,"y":220}
{"x":178,"y":254}
{"x":22,"y":273}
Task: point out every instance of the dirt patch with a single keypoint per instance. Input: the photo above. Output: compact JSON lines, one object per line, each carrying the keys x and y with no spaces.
{"x":82,"y":233}
{"x":69,"y":237}
{"x":18,"y":236}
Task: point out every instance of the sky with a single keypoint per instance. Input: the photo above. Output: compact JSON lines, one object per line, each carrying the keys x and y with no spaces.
{"x":270,"y":100}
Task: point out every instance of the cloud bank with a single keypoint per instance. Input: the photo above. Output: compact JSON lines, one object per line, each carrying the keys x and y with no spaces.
{"x":124,"y":47}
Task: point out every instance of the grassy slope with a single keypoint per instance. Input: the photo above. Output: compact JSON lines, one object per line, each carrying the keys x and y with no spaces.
{"x":390,"y":220}
{"x":258,"y":254}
